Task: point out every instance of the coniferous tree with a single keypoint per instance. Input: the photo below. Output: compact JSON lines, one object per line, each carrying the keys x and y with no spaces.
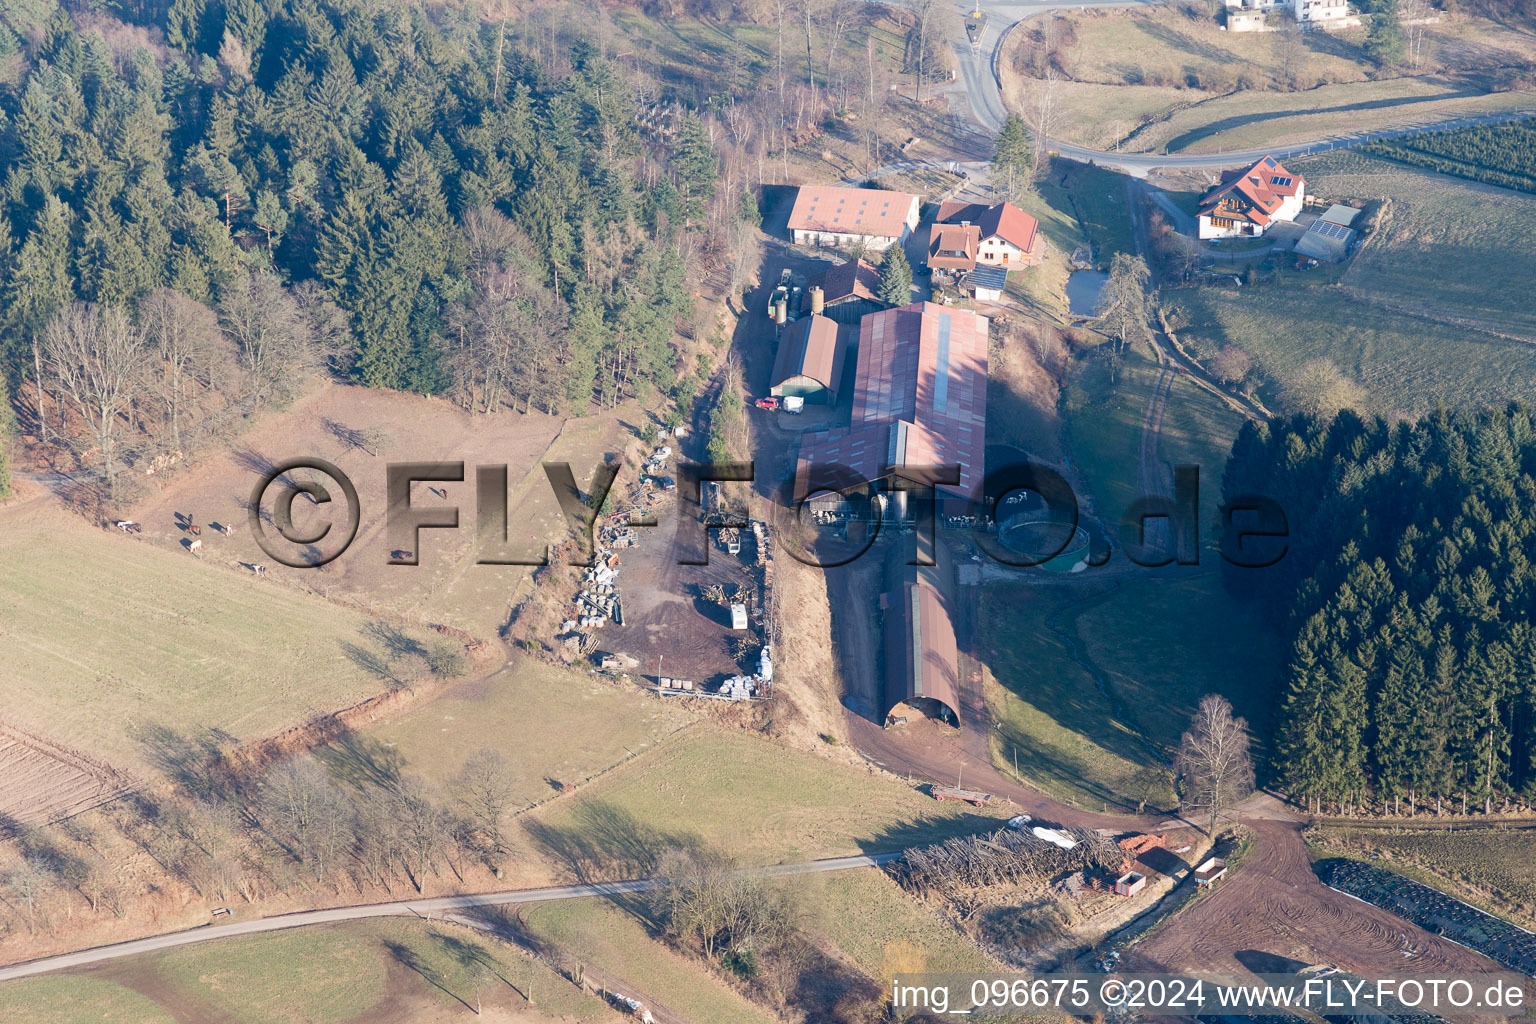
{"x":895,"y":278}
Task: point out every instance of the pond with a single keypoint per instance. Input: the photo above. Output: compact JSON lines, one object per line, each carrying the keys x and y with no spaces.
{"x":1083,"y":290}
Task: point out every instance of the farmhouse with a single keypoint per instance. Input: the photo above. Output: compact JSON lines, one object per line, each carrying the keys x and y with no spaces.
{"x":810,"y":361}
{"x":1247,"y":15}
{"x":1247,"y":202}
{"x":841,"y":217}
{"x":919,"y":402}
{"x":1005,"y":236}
{"x":847,"y":292}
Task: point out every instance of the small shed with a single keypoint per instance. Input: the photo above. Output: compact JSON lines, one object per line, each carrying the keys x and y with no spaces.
{"x":1130,"y":883}
{"x":1326,"y":241}
{"x":1338,"y":213}
{"x":738,"y":616}
{"x":1210,"y":872}
{"x":810,"y":361}
{"x":987,"y":283}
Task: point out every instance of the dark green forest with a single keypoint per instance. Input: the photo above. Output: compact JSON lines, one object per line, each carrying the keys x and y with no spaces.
{"x":237,"y":191}
{"x":1500,"y":154}
{"x":1407,"y":593}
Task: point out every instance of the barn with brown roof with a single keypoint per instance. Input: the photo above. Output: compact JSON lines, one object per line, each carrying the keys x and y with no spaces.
{"x":919,"y":401}
{"x":922,"y":657}
{"x":810,"y":361}
{"x":849,"y":291}
{"x":842,"y":217}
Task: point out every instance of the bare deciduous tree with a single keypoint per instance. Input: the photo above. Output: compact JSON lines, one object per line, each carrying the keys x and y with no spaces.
{"x":185,"y":334}
{"x":1124,"y":307}
{"x":274,"y":335}
{"x":1320,"y":389}
{"x":487,"y":786}
{"x":1231,"y":364}
{"x":1214,"y":762}
{"x":95,"y":356}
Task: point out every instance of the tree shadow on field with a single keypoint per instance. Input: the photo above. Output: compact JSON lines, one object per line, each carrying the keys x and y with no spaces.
{"x":408,"y":958}
{"x":607,"y":843}
{"x":195,"y":763}
{"x":363,"y":762}
{"x":251,"y":459}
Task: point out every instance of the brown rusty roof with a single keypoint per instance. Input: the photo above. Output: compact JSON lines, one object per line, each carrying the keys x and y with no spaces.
{"x":922,"y":658}
{"x":920,"y":398}
{"x":810,"y":347}
{"x":1004,"y":220}
{"x":853,"y":279}
{"x":851,"y":211}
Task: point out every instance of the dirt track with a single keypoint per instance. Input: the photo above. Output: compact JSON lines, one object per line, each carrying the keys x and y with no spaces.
{"x":1275,"y":904}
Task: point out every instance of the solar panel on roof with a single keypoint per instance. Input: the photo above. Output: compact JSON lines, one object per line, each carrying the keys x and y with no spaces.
{"x":941,"y":372}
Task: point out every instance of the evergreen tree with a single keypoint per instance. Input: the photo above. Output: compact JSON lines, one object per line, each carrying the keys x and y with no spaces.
{"x":1384,"y":43}
{"x":1012,"y":160}
{"x":895,"y":277}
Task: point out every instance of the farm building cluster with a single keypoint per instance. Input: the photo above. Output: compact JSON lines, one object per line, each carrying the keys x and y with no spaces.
{"x":918,"y":402}
{"x":971,"y":247}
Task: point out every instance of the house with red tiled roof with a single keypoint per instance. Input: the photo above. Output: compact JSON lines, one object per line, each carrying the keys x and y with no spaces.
{"x":1006,"y":236}
{"x":1246,"y":203}
{"x":841,"y":217}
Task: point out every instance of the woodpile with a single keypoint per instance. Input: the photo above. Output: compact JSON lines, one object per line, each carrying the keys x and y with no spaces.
{"x":1004,"y":857}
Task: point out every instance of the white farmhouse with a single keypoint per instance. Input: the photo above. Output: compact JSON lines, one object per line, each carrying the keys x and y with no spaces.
{"x":841,"y":217}
{"x":1247,"y":203}
{"x":1314,"y":11}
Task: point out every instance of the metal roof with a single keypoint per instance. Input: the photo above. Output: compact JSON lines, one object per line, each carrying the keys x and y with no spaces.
{"x":989,"y":277}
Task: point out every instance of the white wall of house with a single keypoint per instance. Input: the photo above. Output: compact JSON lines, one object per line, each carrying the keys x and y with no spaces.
{"x":840,"y":240}
{"x":1290,"y":207}
{"x":1256,"y":5}
{"x":996,"y":252}
{"x":1320,"y":10}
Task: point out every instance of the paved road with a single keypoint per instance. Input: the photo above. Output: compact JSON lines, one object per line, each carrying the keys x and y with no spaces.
{"x":439,"y":907}
{"x":978,"y":70}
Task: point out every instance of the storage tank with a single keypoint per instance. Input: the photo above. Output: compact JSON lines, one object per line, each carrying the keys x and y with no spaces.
{"x":781,"y":312}
{"x":818,"y":299}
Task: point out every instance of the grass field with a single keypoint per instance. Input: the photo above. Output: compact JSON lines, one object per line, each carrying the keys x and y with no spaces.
{"x":1166,"y":44}
{"x":1495,"y":863}
{"x":105,"y":635}
{"x":1405,"y":363}
{"x":77,"y":999}
{"x":1094,"y":682}
{"x":345,"y":974}
{"x":741,"y":794}
{"x":1444,"y":246}
{"x":601,"y":934}
{"x":1066,"y":735}
{"x":1106,"y":409}
{"x":1097,"y":197}
{"x":1174,"y":70}
{"x":1253,"y":120}
{"x":554,"y":724}
{"x":862,"y":912}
